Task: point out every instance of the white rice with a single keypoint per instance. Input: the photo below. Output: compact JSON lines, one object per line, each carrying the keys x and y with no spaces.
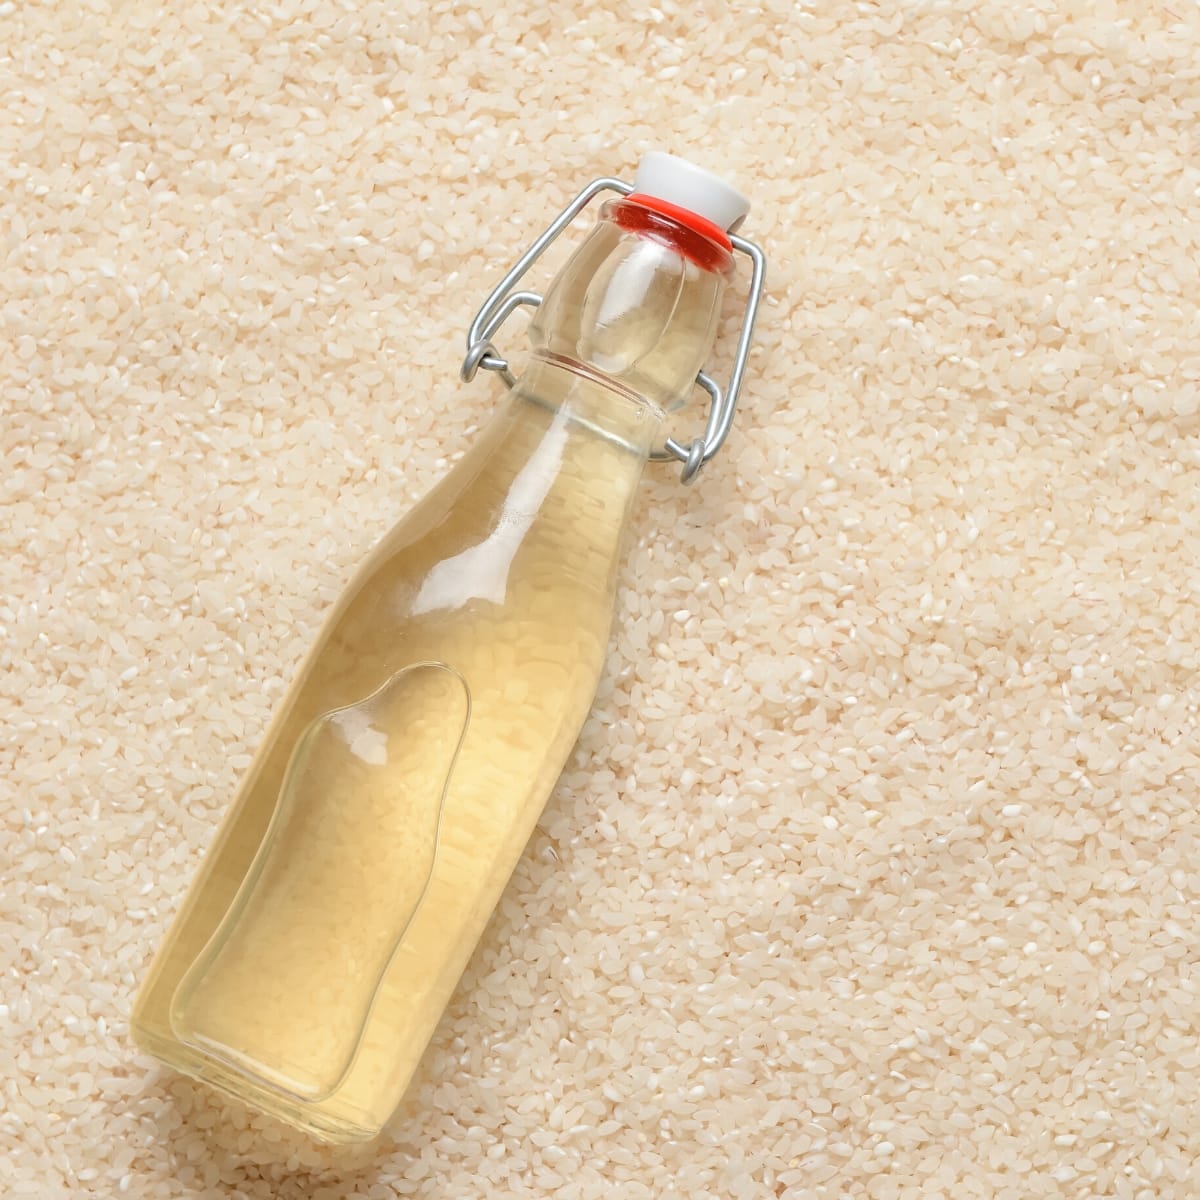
{"x":874,"y":875}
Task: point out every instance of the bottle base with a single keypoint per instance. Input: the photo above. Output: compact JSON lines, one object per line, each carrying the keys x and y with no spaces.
{"x":227,"y":1082}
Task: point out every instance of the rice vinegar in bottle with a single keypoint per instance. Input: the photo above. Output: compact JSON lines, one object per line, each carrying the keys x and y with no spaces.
{"x":412,"y":756}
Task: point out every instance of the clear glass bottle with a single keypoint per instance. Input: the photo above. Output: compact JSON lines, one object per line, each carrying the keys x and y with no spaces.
{"x":413,"y":753}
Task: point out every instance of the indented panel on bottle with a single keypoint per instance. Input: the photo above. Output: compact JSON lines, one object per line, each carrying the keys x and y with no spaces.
{"x":285,"y":985}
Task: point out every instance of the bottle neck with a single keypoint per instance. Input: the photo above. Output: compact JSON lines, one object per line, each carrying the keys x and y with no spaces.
{"x":594,"y":404}
{"x":637,"y":305}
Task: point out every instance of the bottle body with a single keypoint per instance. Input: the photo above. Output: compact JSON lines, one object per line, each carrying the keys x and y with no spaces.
{"x":499,"y":590}
{"x":413,"y":754}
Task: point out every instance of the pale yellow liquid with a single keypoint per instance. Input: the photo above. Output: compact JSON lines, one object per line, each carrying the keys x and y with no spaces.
{"x":404,"y":773}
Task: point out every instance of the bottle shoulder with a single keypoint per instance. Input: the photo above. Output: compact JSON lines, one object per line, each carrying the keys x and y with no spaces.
{"x":536,"y":504}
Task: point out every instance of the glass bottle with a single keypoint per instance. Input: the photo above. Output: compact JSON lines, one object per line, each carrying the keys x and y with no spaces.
{"x":409,"y":761}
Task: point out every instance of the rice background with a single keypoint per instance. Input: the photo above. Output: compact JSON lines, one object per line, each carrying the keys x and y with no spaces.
{"x":875,"y":872}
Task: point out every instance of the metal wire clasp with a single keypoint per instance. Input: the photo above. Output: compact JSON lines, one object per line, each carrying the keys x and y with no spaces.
{"x":503,"y":301}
